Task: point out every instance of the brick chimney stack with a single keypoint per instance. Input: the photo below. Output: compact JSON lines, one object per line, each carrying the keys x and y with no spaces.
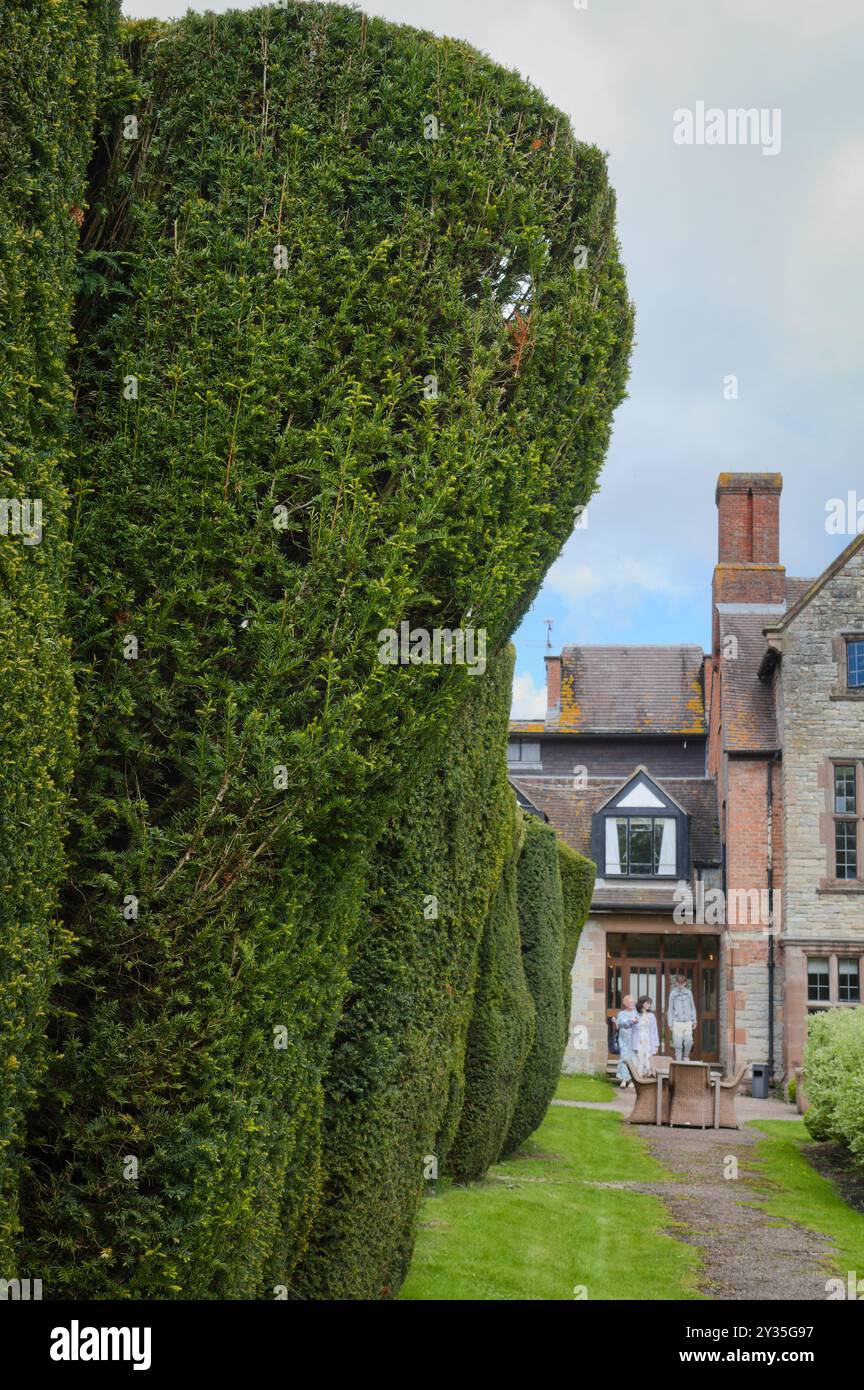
{"x":553,"y":689}
{"x":748,"y":566}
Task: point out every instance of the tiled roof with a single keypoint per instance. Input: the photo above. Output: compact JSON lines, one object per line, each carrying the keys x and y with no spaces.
{"x":570,"y":809}
{"x":645,"y":690}
{"x":795,"y":588}
{"x":747,"y":710}
{"x":747,"y":703}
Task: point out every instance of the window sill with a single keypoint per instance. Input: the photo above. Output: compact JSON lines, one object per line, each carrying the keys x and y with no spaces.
{"x":840,"y":885}
{"x":857,"y":693}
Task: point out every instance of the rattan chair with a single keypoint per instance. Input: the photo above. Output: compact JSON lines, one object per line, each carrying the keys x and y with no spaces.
{"x":692,"y":1095}
{"x":728,"y":1092}
{"x":661,"y":1062}
{"x":644,"y":1111}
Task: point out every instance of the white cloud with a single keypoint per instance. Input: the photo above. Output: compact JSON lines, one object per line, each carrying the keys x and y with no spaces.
{"x":529,"y":700}
{"x":824,"y":271}
{"x":573,"y":579}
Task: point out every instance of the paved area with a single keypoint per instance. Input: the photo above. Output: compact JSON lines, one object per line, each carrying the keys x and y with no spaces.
{"x":746,"y":1254}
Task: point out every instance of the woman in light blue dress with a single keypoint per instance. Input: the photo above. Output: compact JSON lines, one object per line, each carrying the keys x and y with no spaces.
{"x":626,"y":1023}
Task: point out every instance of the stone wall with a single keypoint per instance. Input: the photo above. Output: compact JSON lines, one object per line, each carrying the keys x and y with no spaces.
{"x":822,"y":722}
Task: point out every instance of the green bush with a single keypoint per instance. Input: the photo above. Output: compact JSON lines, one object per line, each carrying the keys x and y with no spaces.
{"x":541,"y":930}
{"x":834,"y":1078}
{"x":49,"y":55}
{"x":399,"y":1047}
{"x":577,"y":885}
{"x":282,"y":263}
{"x":501,"y":1030}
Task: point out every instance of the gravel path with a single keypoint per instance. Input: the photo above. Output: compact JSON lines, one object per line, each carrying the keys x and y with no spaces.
{"x":746,"y":1254}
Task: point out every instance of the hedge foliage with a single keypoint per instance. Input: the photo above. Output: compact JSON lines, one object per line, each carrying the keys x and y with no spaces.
{"x":501,"y":1031}
{"x":49,"y":55}
{"x":397,"y":1058}
{"x":834,"y":1078}
{"x":278,"y":270}
{"x":577,"y":886}
{"x":541,"y":931}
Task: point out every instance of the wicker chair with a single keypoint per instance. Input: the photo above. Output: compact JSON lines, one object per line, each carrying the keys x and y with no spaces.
{"x":661,"y":1062}
{"x":692,"y":1095}
{"x":728,"y":1092}
{"x":644,"y":1111}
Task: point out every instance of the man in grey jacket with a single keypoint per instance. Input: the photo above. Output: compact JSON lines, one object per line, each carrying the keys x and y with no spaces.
{"x":681,"y":1013}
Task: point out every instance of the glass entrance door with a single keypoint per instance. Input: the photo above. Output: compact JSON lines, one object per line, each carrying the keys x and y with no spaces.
{"x":630,"y":971}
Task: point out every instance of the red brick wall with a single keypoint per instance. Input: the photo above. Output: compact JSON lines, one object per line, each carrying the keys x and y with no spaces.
{"x":748,"y":507}
{"x":553,"y":684}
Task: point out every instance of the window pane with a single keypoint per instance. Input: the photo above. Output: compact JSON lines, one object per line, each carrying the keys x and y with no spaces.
{"x":642,"y":945}
{"x":818,"y":984}
{"x":641,"y":855}
{"x":846,"y":856}
{"x":514,"y":752}
{"x":849,"y":984}
{"x":613,"y":987}
{"x":530,"y":752}
{"x":844,"y":789}
{"x":621,"y":831}
{"x":664,"y":846}
{"x":855,"y":663}
{"x":709,"y":1037}
{"x":709,"y":991}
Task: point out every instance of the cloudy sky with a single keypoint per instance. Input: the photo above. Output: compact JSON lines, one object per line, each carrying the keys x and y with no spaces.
{"x":741,"y":264}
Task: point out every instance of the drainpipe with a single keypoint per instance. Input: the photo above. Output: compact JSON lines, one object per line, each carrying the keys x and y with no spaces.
{"x":773,"y":762}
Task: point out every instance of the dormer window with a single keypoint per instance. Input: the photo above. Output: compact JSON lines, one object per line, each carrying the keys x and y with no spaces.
{"x":641,"y":833}
{"x":640,"y":845}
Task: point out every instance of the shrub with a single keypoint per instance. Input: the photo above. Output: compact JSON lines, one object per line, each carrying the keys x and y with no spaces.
{"x":834,"y":1078}
{"x":541,"y":930}
{"x":48,"y":59}
{"x":400,"y":1042}
{"x":287,"y":265}
{"x":502,"y":1026}
{"x":577,"y":885}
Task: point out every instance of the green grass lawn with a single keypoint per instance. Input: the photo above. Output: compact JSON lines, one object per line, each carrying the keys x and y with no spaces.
{"x":534,"y":1229}
{"x":797,"y":1192}
{"x":585,"y":1088}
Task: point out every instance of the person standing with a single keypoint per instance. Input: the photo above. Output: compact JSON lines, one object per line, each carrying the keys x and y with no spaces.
{"x":626,"y":1024}
{"x":647,"y":1040}
{"x":681,"y":1014}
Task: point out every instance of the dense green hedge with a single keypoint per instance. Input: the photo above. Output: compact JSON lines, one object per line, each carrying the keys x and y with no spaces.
{"x":501,"y":1029}
{"x":277,"y":266}
{"x":577,"y":885}
{"x":834,"y":1078}
{"x":399,"y":1046}
{"x":541,"y":930}
{"x":49,"y":54}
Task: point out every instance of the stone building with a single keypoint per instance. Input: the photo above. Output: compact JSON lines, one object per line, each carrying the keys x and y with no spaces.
{"x":721,"y":796}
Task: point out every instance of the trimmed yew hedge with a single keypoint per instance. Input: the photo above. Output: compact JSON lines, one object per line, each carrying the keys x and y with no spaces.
{"x":501,"y":1031}
{"x":280,"y":269}
{"x":541,"y":931}
{"x":398,"y":1052}
{"x":49,"y":54}
{"x":577,"y":886}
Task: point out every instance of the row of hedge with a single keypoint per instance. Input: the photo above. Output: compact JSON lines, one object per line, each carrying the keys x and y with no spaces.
{"x":449,"y":1047}
{"x":276,"y":264}
{"x":395,"y":1079}
{"x":49,"y":57}
{"x":834,"y":1072}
